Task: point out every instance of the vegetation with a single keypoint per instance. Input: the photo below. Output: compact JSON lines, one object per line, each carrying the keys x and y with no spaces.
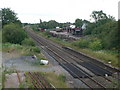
{"x":89,"y":45}
{"x":15,"y":41}
{"x":9,"y":16}
{"x":28,"y":42}
{"x":21,"y":50}
{"x":13,"y":33}
{"x":104,"y":28}
{"x":26,"y":83}
{"x":57,"y":80}
{"x":78,"y":22}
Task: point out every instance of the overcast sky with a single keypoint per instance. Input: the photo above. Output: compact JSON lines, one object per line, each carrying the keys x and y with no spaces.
{"x":31,"y":11}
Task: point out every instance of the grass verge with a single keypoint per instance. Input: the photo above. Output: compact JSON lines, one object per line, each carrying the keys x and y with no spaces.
{"x":22,"y":50}
{"x":58,"y":81}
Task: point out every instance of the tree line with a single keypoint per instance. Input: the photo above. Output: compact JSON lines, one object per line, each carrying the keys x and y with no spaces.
{"x":104,"y":28}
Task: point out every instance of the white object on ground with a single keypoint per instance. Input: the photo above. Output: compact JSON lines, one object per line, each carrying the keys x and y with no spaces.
{"x":44,"y":62}
{"x":106,"y":75}
{"x":109,"y":62}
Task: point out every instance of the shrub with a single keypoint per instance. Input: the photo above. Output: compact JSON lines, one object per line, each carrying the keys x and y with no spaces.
{"x":13,"y":33}
{"x":35,"y":49}
{"x":95,"y":45}
{"x":75,"y":43}
{"x":83,"y":43}
{"x":28,"y":42}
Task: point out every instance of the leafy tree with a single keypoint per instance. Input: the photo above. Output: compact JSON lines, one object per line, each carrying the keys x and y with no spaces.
{"x":104,"y":28}
{"x":78,"y":22}
{"x":48,"y":25}
{"x":9,"y":16}
{"x":111,"y":39}
{"x":52,"y":24}
{"x":13,"y":33}
{"x":98,"y":15}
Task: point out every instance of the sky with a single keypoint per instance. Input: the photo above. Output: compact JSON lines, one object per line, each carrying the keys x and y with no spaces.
{"x":31,"y":11}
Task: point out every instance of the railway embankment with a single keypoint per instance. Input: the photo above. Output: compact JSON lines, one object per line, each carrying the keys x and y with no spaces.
{"x":106,"y":56}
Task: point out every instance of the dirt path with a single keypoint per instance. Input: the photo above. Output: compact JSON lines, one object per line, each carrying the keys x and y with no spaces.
{"x":12,"y":80}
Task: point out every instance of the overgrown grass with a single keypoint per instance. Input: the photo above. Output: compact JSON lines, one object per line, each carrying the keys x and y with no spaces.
{"x":102,"y":55}
{"x":23,"y":50}
{"x":106,"y":56}
{"x":57,"y":80}
{"x":27,"y":83}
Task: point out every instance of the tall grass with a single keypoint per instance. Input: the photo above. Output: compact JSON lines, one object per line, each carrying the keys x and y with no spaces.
{"x":22,"y":50}
{"x":57,"y":80}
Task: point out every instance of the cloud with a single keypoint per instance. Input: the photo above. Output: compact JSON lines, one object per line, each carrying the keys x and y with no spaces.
{"x":60,"y":10}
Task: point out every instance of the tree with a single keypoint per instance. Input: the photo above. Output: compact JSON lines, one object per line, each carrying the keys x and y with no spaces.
{"x":52,"y":24}
{"x":112,"y":40}
{"x":78,"y":22}
{"x":13,"y":33}
{"x":9,"y":16}
{"x":98,"y":15}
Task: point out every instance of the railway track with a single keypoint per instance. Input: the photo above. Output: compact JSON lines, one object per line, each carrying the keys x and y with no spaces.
{"x":68,"y":61}
{"x":38,"y":80}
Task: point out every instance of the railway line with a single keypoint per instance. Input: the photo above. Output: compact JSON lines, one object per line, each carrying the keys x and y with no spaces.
{"x":38,"y":81}
{"x":68,"y":61}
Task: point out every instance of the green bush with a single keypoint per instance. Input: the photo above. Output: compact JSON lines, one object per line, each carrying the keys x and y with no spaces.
{"x":35,"y":49}
{"x":28,"y":42}
{"x":13,"y":33}
{"x":9,"y":45}
{"x":83,"y":43}
{"x":95,"y":45}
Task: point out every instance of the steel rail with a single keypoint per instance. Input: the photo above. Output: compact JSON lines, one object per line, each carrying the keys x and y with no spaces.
{"x":74,"y":66}
{"x":74,"y":56}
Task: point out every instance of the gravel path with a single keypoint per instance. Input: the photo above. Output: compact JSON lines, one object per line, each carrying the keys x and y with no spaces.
{"x":25,"y":64}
